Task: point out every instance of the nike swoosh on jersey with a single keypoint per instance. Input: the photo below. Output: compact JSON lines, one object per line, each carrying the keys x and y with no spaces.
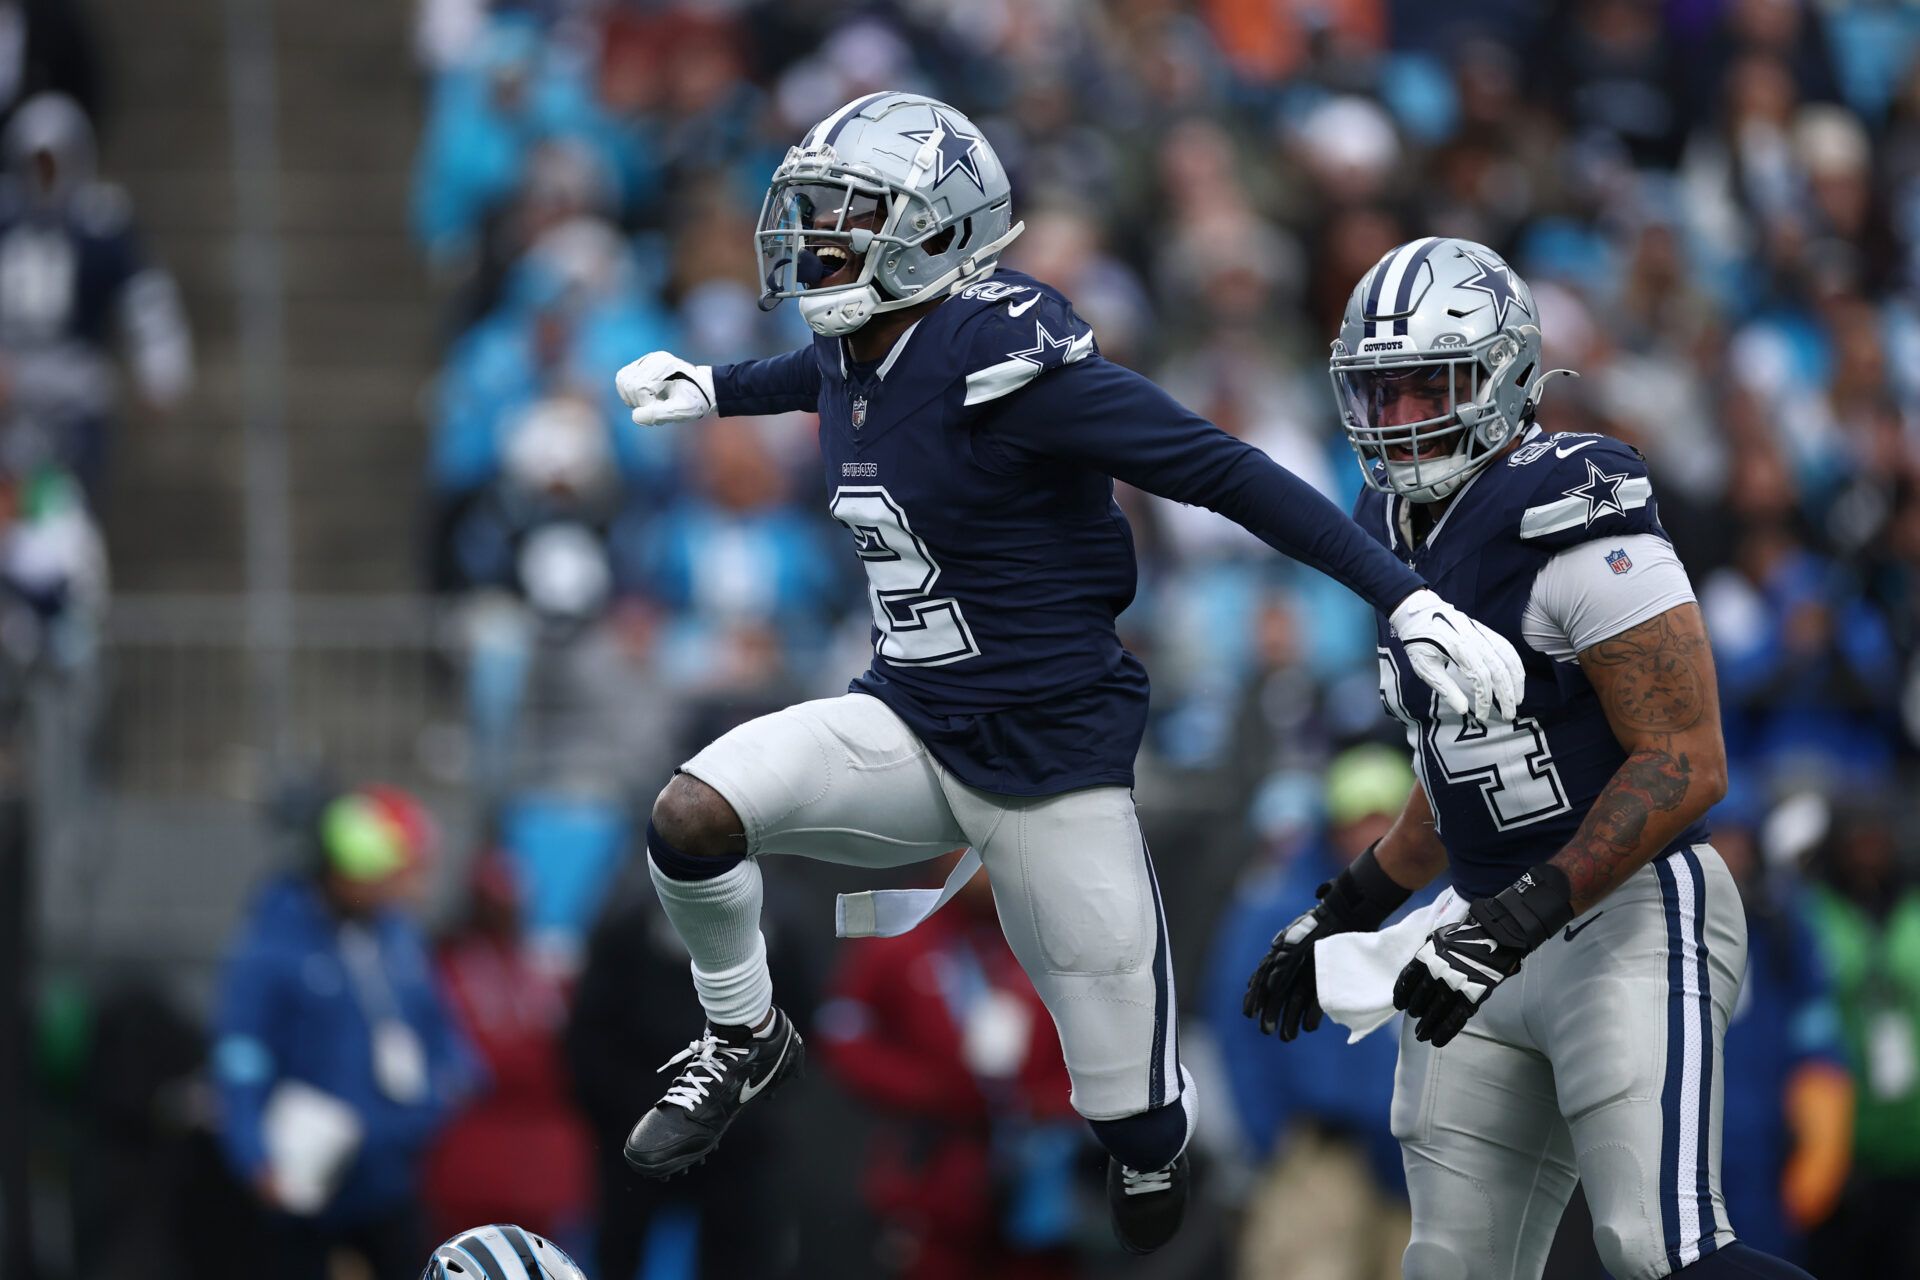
{"x":749,"y":1090}
{"x":1567,"y":451}
{"x":1576,"y":928}
{"x":1024,"y":307}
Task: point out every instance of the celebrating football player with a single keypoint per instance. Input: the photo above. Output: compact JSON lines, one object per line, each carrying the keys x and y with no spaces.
{"x":971,"y":434}
{"x":1567,"y":1025}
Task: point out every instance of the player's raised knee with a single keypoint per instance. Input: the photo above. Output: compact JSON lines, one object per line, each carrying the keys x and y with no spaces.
{"x":1434,"y":1260}
{"x":697,"y":820}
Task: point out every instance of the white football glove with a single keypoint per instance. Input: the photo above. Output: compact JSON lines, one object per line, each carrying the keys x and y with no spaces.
{"x":1448,"y":649}
{"x":662,"y":388}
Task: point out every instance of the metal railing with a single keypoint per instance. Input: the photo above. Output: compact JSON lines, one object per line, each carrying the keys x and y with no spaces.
{"x":152,"y":775}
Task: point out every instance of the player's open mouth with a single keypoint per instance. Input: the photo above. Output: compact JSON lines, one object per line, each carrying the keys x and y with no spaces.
{"x":840,"y":265}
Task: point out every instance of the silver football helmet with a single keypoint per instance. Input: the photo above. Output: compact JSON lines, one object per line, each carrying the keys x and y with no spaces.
{"x":892,"y":199}
{"x":501,"y":1251}
{"x":1437,"y":366}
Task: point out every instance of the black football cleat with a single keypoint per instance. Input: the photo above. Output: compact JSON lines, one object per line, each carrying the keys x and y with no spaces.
{"x":1147,"y":1207}
{"x":723,"y":1071}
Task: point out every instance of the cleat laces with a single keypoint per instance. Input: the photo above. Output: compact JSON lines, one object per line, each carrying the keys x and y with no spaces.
{"x":707,"y":1061}
{"x":1136,"y":1183}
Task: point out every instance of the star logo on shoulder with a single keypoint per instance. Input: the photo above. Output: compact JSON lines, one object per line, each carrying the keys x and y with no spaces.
{"x":958,"y":150}
{"x":1497,"y":283}
{"x":1601,"y":492}
{"x":1043,"y":342}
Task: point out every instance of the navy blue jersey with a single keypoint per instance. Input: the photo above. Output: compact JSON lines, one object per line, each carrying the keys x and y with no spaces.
{"x":1508,"y":796}
{"x":974,"y":468}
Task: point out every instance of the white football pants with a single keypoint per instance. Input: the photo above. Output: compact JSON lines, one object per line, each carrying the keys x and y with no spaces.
{"x":845,"y":780}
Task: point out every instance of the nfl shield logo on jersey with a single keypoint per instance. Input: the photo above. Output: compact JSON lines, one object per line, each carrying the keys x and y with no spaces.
{"x":1617,"y":560}
{"x":860,"y":415}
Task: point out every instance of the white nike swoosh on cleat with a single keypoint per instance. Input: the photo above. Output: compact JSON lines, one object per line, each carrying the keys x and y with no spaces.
{"x":1567,"y":451}
{"x":749,"y":1091}
{"x":1023,"y":307}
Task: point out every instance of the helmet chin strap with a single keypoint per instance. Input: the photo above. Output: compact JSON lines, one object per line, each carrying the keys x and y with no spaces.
{"x":839,"y":313}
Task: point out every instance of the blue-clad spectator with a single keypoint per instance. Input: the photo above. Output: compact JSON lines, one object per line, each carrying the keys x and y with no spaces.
{"x":1788,"y":1120}
{"x":485,"y":120}
{"x":570,"y":312}
{"x":744,"y":570}
{"x":1804,"y":661}
{"x":335,"y":1059}
{"x":1314,"y":1113}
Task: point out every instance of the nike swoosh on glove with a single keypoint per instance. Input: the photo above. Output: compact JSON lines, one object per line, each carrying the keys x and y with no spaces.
{"x":661,"y":388}
{"x":1460,"y":964}
{"x":1442,"y":642}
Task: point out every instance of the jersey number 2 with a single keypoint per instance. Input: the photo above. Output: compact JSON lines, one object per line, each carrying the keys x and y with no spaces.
{"x":1509,"y":761}
{"x":917,"y":628}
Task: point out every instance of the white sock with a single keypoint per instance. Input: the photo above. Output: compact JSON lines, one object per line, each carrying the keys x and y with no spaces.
{"x":719,"y":921}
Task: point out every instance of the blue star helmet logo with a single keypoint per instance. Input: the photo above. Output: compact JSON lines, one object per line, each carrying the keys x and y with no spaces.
{"x":1601,"y":493}
{"x":1497,"y":283}
{"x":958,"y":151}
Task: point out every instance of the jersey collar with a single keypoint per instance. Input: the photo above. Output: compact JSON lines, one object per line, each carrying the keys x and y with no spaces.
{"x":893,"y":356}
{"x":1401,"y":519}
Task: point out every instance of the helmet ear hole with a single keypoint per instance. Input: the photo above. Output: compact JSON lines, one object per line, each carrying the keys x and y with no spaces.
{"x":941,"y":243}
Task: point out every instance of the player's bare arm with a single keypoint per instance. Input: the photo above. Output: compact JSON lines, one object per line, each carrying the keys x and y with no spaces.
{"x":1656,"y":683}
{"x":1411,"y":852}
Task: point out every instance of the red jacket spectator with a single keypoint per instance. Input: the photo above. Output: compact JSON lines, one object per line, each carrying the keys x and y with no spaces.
{"x":942,"y":1028}
{"x":520,"y":1152}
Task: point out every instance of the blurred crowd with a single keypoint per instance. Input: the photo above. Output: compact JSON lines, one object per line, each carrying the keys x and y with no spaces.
{"x":1718,"y":206}
{"x":1717,"y":203}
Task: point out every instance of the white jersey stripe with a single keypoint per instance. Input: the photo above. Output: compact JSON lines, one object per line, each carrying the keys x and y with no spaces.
{"x":1569,"y":513}
{"x":1008,"y":376}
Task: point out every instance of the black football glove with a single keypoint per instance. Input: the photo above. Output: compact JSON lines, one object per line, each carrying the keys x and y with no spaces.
{"x":1460,"y":964}
{"x":1282,"y":992}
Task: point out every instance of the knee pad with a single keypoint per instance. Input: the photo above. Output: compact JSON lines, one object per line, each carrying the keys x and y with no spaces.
{"x":1433,"y":1260}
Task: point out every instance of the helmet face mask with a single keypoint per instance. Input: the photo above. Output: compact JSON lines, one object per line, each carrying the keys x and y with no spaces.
{"x":1419,"y":427}
{"x":1436,"y":367}
{"x":890,"y":201}
{"x":812,"y":229}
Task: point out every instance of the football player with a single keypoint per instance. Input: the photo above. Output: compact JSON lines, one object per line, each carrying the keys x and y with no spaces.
{"x":971,"y":433}
{"x":1569,"y":1025}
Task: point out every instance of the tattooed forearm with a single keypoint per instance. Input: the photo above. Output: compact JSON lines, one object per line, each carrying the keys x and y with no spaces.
{"x":1612,"y":842}
{"x":1656,"y":683}
{"x":1650,"y":676}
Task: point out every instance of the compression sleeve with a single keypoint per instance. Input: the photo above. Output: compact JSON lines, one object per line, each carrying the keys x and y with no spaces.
{"x":1106,"y":417}
{"x":780,"y":384}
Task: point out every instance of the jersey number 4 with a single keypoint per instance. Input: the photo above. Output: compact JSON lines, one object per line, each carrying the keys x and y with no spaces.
{"x":917,"y":628}
{"x":1509,"y":761}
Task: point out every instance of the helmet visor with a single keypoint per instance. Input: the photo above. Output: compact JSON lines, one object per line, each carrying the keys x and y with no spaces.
{"x":817,"y":229}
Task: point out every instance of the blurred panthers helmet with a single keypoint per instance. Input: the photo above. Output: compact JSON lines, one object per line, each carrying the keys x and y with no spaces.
{"x":1447,"y":332}
{"x":500,"y":1252}
{"x":891,"y":200}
